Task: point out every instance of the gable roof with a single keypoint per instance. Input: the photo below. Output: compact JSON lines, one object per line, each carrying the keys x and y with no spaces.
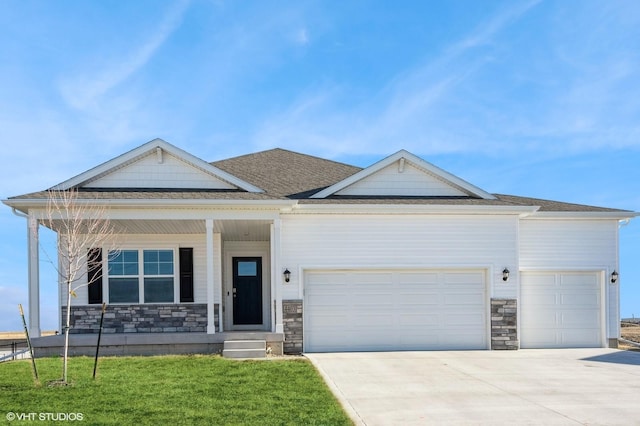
{"x":219,"y":178}
{"x":456,"y":186}
{"x":278,"y":175}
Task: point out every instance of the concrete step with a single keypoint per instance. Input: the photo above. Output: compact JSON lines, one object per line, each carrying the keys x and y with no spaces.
{"x":244,"y":349}
{"x":244,"y":353}
{"x":245,"y":344}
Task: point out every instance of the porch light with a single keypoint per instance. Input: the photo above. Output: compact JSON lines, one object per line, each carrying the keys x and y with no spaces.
{"x":505,"y":274}
{"x":287,"y":275}
{"x":614,"y":277}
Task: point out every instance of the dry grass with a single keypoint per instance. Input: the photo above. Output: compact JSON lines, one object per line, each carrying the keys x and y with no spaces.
{"x":19,"y":335}
{"x":630,"y":332}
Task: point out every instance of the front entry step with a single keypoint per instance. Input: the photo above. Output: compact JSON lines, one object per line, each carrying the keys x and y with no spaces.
{"x":245,"y":349}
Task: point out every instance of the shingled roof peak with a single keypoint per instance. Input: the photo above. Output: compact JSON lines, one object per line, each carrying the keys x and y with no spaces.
{"x":283,"y":152}
{"x":284,"y":173}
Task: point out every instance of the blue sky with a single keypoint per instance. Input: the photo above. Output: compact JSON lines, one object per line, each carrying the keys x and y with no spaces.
{"x":531,"y":98}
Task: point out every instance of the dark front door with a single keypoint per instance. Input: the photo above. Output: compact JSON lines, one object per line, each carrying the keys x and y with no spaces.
{"x":247,"y":290}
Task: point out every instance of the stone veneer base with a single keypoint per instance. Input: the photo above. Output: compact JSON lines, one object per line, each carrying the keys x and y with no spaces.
{"x":292,"y":324}
{"x":152,"y":318}
{"x":504,"y":324}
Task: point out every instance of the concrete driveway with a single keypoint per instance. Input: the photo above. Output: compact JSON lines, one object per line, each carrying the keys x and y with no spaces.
{"x":525,"y":387}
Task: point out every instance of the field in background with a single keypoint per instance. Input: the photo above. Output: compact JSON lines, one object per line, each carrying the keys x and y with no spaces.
{"x":630,"y":331}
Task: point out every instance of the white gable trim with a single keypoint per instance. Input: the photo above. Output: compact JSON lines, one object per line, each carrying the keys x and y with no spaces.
{"x":157,"y":145}
{"x":402,"y":156}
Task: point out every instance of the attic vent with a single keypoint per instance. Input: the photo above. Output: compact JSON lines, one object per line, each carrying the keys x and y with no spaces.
{"x":401,"y":165}
{"x":159,"y":154}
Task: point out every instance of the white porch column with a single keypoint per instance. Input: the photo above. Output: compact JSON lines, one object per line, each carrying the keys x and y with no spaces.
{"x":276,"y":277}
{"x":211,"y":320}
{"x":34,"y":276}
{"x":217,"y":275}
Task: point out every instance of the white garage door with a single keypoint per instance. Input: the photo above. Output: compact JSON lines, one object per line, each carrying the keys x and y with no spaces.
{"x":364,"y":310}
{"x":560,"y":310}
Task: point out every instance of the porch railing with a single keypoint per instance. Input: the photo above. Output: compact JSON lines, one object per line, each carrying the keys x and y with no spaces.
{"x":14,"y":350}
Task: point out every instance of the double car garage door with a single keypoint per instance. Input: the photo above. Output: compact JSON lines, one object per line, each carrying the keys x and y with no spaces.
{"x":377,"y":310}
{"x":364,"y":310}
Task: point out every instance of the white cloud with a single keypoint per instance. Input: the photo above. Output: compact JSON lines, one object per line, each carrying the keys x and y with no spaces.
{"x":301,"y":37}
{"x":404,"y":114}
{"x":84,"y":91}
{"x":487,"y":30}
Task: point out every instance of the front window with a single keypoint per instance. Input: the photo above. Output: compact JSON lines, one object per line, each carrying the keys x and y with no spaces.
{"x":158,"y":276}
{"x":151,"y":282}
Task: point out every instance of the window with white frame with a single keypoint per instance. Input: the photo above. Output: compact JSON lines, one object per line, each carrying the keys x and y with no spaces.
{"x":153,"y":281}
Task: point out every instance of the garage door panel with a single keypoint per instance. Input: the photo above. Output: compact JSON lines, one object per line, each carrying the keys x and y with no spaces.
{"x":420,"y":279}
{"x":463,"y":320}
{"x":326,"y":278}
{"x":580,"y":300}
{"x":583,"y":280}
{"x":539,"y":280}
{"x":560,"y":309}
{"x":326,"y":299}
{"x":373,"y":304}
{"x":463,"y":299}
{"x":391,"y":310}
{"x":416,"y":300}
{"x":418,"y":320}
{"x":370,"y":279}
{"x":372,"y":320}
{"x":458,"y":277}
{"x":462,"y":340}
{"x":542,"y":320}
{"x":579,"y":319}
{"x":576,"y":338}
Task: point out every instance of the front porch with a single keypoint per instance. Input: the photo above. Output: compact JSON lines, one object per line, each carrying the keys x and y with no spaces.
{"x":207,"y":296}
{"x":121,"y":344}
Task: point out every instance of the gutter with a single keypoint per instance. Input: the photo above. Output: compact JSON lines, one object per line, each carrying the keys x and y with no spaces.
{"x":111,"y":202}
{"x":19,"y":214}
{"x":522,"y":211}
{"x":620,"y":215}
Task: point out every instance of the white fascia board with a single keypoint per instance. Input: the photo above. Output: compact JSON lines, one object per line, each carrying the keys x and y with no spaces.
{"x":622,"y":215}
{"x":419,"y":162}
{"x":521,"y":211}
{"x":174,"y":210}
{"x":144,"y":150}
{"x":264,"y":204}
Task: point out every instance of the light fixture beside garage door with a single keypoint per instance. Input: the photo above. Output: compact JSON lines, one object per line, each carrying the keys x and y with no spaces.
{"x":614,"y":277}
{"x":287,"y":275}
{"x":505,"y":274}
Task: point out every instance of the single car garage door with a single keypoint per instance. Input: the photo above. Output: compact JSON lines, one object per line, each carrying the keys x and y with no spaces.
{"x":377,"y":310}
{"x":560,"y":310}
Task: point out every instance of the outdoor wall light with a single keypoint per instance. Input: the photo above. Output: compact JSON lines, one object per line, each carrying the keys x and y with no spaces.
{"x":614,"y":277}
{"x":287,"y":275}
{"x":505,"y":274}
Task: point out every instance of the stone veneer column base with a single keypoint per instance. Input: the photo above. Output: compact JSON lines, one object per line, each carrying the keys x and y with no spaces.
{"x":292,"y":323}
{"x":504,"y":324}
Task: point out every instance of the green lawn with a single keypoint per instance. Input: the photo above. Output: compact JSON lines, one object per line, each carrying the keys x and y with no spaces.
{"x":173,"y":390}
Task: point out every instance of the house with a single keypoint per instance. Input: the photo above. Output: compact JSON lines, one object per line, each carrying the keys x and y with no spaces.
{"x":319,"y":256}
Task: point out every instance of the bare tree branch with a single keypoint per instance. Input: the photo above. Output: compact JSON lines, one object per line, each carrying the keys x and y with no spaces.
{"x":82,"y":225}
